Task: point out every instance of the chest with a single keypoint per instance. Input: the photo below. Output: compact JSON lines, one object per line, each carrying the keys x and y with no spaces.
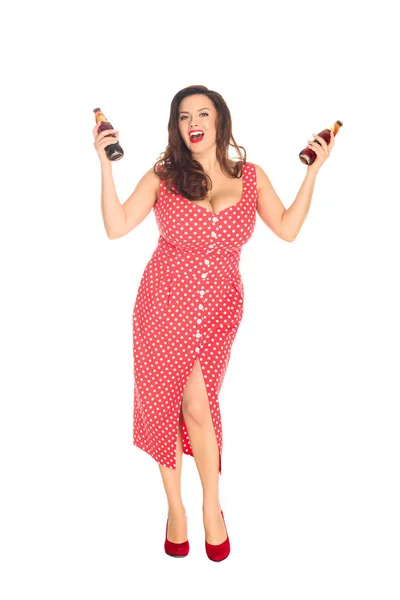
{"x":224,"y":221}
{"x":225,"y":192}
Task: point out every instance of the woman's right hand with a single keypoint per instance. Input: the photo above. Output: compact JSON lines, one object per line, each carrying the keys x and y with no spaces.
{"x":101,"y":141}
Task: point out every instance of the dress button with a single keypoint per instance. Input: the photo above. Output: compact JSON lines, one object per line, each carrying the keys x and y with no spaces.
{"x":207,"y":262}
{"x":197,"y":349}
{"x":215,"y":219}
{"x":198,"y":334}
{"x":204,"y":275}
{"x":201,"y":293}
{"x":213,"y":234}
{"x":201,"y":307}
{"x":199,"y":321}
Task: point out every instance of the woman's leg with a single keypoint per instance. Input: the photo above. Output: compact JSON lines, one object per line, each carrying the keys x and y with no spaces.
{"x":196,"y":411}
{"x":177,"y":524}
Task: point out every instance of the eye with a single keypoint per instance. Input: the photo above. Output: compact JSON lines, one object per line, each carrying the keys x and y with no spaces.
{"x":183,"y":116}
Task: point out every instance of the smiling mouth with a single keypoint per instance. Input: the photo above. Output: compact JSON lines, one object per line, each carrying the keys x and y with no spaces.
{"x":196,"y":138}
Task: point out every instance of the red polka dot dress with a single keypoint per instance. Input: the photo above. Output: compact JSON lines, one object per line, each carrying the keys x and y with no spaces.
{"x":189,"y":305}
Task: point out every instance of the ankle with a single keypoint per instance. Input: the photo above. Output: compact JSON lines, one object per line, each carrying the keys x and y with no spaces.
{"x":211,"y":507}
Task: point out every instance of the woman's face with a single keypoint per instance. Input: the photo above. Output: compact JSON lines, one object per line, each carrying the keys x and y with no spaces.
{"x":197,"y":112}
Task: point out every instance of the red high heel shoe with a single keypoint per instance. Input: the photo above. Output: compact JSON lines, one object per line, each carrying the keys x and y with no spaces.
{"x":218,"y":552}
{"x":173,"y":549}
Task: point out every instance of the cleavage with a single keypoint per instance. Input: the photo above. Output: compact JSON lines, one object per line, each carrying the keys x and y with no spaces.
{"x":222,"y":196}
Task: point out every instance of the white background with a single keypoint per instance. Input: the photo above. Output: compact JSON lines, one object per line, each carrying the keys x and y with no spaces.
{"x":310,"y":401}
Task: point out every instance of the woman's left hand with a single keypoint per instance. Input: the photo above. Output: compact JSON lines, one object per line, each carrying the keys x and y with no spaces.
{"x":322,"y":151}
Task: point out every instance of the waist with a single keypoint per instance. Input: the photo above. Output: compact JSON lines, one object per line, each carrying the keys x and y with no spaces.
{"x":198,"y":263}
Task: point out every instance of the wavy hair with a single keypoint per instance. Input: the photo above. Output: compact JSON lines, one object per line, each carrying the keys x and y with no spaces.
{"x":176,"y":165}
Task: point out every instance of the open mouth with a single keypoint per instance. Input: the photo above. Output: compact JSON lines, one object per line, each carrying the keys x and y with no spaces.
{"x":196,"y":137}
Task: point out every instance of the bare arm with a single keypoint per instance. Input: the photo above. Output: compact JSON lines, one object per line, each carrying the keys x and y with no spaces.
{"x":121,"y":219}
{"x":294,"y":216}
{"x":141,"y":201}
{"x":284,"y":222}
{"x":269,"y":205}
{"x":111,"y":209}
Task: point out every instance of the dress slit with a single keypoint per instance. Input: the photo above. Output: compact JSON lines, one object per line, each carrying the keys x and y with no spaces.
{"x":187,"y":449}
{"x":212,"y":420}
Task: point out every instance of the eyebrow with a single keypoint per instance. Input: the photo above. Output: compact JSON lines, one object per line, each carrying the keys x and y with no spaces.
{"x":186,"y":111}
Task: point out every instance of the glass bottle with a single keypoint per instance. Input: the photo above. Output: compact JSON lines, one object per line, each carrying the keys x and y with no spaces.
{"x":113,"y":151}
{"x":307,"y":155}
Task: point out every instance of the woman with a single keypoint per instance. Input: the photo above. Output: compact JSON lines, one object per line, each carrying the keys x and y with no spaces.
{"x":190,"y":299}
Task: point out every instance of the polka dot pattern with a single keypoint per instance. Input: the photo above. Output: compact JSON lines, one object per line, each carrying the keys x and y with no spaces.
{"x":189,"y":305}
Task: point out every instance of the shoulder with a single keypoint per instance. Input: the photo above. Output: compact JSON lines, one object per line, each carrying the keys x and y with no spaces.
{"x":261,"y":176}
{"x":152,"y":181}
{"x":149,"y":184}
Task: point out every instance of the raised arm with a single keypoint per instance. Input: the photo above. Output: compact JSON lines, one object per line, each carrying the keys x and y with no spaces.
{"x":141,"y":201}
{"x":134,"y":210}
{"x":269,"y":206}
{"x":287,"y":222}
{"x":284,"y":222}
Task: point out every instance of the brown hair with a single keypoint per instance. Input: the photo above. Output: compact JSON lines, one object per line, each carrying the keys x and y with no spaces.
{"x":178,"y":168}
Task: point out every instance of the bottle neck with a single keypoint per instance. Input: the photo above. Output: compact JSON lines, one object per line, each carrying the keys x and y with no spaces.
{"x":99,"y":116}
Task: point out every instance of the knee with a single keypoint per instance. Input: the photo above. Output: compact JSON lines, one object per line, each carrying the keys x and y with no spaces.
{"x":196,"y":410}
